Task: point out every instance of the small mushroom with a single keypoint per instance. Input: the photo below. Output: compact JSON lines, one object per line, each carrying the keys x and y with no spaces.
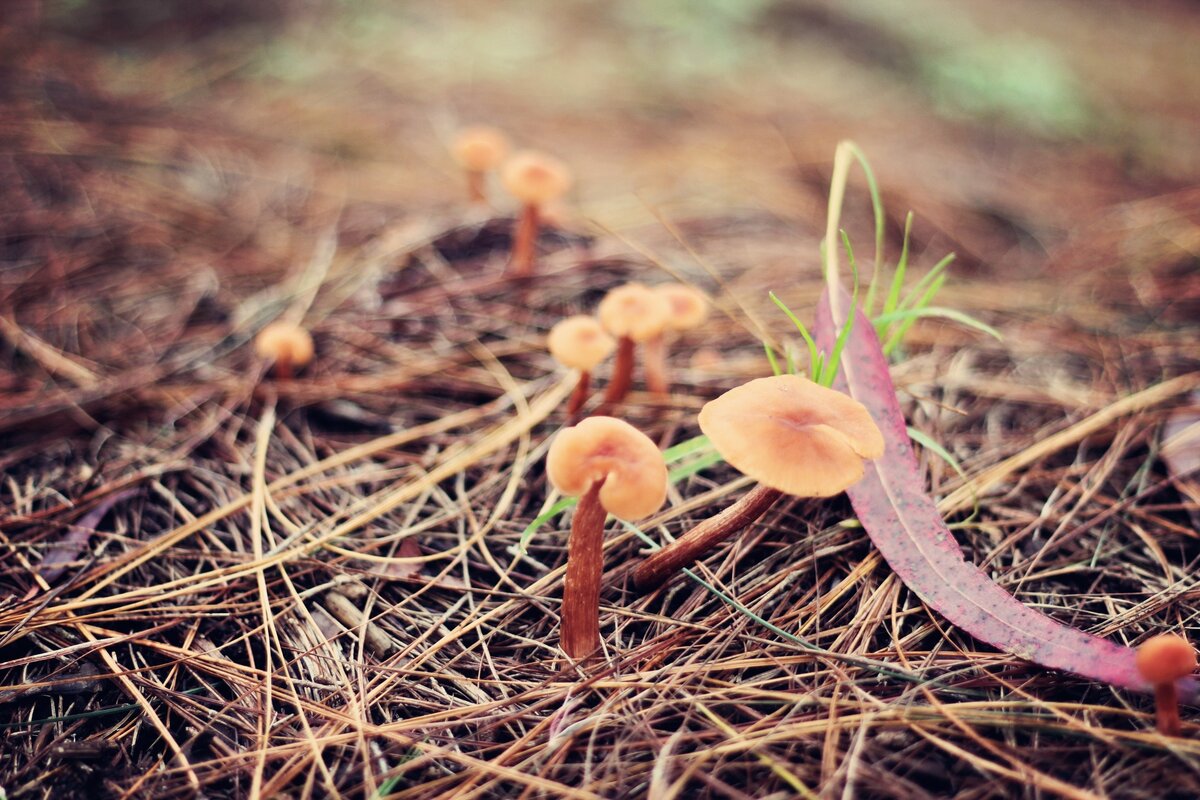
{"x":688,"y":308}
{"x":791,"y":435}
{"x":614,"y":469}
{"x":286,"y":345}
{"x":633,"y":313}
{"x":479,"y":149}
{"x":1162,"y":660}
{"x":581,"y":343}
{"x":535,"y":179}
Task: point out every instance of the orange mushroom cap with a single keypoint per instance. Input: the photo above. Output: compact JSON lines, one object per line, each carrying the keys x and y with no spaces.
{"x":1165,"y":658}
{"x":688,"y":305}
{"x":285,"y":341}
{"x":535,"y":178}
{"x":635,"y":311}
{"x":793,"y":435}
{"x":580,"y":342}
{"x":479,"y":148}
{"x":635,"y":474}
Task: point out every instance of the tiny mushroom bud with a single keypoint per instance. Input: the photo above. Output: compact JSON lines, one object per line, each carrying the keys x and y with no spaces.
{"x":1162,"y":660}
{"x":791,"y":435}
{"x":687,"y":308}
{"x":633,"y":313}
{"x":581,"y":343}
{"x":478,"y":149}
{"x":286,"y":345}
{"x":614,"y":469}
{"x":534,"y":179}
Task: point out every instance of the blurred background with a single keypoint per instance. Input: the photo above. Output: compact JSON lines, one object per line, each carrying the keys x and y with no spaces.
{"x":1022,"y":134}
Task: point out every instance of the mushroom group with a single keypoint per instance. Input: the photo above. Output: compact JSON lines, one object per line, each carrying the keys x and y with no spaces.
{"x":614,"y":469}
{"x":791,"y":435}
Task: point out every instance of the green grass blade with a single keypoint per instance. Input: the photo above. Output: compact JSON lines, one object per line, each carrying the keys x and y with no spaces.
{"x":899,"y":331}
{"x":893,"y":298}
{"x":808,"y":340}
{"x":771,"y":358}
{"x":940,"y":312}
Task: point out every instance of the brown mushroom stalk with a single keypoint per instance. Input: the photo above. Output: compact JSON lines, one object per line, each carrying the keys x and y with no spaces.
{"x":1162,"y":660}
{"x":534,"y":180}
{"x":524,"y":248}
{"x":614,"y":469}
{"x":791,"y":435}
{"x":581,"y":587}
{"x":579,"y":394}
{"x":657,"y":382}
{"x":622,"y":375}
{"x":690,"y":547}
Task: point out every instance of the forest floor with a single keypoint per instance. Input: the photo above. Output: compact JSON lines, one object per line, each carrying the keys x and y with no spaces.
{"x":314,"y":587}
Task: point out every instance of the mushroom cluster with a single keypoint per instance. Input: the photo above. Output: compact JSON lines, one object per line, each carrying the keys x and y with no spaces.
{"x":534,"y":179}
{"x":627,"y":315}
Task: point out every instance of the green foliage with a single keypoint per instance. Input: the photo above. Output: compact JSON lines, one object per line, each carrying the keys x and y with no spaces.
{"x":900,"y":309}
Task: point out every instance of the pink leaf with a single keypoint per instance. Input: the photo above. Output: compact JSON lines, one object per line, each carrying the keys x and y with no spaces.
{"x":905,"y":526}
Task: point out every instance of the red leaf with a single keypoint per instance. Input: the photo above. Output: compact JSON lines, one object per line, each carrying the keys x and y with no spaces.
{"x":905,"y":526}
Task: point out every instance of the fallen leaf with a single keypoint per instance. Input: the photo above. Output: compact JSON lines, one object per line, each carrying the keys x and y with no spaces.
{"x":905,"y":526}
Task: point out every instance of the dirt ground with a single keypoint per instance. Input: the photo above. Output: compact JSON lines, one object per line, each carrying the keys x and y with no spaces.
{"x":315,"y":587}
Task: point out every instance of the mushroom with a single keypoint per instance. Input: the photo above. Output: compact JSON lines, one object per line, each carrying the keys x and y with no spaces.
{"x":478,"y":149}
{"x":614,"y":469}
{"x":534,"y":179}
{"x":791,"y":435}
{"x":633,"y":313}
{"x":688,"y":308}
{"x":581,"y":343}
{"x":286,"y":345}
{"x":1162,"y":660}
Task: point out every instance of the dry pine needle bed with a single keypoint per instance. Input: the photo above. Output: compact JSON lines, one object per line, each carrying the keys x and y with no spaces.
{"x":217,"y":581}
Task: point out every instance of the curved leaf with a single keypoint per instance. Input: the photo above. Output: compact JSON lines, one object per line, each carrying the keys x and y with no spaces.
{"x":905,"y":526}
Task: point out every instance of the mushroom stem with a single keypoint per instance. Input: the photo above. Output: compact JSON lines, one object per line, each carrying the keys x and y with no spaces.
{"x":654,"y":356}
{"x":524,"y":242}
{"x":283,"y":368}
{"x":664,"y":563}
{"x":622,"y":374}
{"x":580,"y":394}
{"x":1166,"y":704}
{"x":475,"y":182}
{"x":581,"y":589}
